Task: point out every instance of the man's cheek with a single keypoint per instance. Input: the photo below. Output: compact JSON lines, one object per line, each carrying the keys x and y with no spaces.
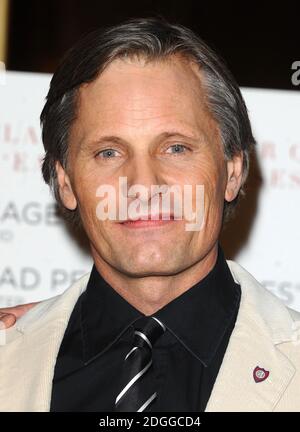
{"x":87,"y":207}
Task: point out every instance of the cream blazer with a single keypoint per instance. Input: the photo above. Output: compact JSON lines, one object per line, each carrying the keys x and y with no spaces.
{"x":265,"y":336}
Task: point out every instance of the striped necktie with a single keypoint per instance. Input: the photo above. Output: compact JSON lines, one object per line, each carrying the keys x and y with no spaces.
{"x":133,"y":396}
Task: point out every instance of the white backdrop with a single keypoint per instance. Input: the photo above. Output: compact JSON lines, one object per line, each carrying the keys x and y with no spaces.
{"x":39,"y":259}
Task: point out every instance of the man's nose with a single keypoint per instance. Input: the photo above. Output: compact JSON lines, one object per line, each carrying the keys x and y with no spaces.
{"x":145,"y":172}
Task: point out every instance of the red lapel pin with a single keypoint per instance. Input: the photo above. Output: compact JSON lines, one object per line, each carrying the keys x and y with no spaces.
{"x":260,"y":374}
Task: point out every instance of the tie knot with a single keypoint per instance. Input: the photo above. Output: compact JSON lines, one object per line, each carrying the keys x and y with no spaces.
{"x":147,"y":330}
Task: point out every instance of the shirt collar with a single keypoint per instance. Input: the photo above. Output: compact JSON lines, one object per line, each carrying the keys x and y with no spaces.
{"x":198,"y":318}
{"x":105,"y":316}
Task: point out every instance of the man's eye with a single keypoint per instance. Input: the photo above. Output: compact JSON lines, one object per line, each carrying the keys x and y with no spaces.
{"x":107,"y":153}
{"x":177,"y":148}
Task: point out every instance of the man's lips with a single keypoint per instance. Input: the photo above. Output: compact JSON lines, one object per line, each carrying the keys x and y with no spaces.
{"x":154,"y":221}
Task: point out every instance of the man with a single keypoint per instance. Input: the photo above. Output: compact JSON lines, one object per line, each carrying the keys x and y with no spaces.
{"x":163,"y":322}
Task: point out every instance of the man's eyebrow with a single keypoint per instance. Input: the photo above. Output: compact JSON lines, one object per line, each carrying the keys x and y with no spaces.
{"x":101,"y":140}
{"x":164,"y":135}
{"x":108,"y":138}
{"x":174,"y":134}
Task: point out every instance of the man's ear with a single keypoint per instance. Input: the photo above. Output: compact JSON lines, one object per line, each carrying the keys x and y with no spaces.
{"x":234,"y":176}
{"x":65,"y":189}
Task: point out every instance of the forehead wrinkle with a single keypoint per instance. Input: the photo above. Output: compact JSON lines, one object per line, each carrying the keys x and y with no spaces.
{"x":167,"y":107}
{"x":133,"y":88}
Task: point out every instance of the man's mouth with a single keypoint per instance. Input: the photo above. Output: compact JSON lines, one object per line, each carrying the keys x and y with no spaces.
{"x":149,"y":221}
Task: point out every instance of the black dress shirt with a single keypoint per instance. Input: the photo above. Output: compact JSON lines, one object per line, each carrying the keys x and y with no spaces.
{"x":186,"y":358}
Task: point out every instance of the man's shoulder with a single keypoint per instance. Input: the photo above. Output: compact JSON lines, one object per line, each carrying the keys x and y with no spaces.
{"x":62,"y":303}
{"x":274,"y":312}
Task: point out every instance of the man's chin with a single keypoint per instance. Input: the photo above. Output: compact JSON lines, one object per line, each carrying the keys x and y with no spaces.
{"x":136,"y":270}
{"x":149,"y":273}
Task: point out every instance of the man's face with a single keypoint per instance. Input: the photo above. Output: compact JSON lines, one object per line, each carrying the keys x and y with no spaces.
{"x":148,"y":123}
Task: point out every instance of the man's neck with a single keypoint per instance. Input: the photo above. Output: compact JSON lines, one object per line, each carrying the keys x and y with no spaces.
{"x":149,"y":294}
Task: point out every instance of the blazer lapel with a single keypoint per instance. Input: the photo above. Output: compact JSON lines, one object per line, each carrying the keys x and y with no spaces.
{"x":262,"y":325}
{"x":26,"y":381}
